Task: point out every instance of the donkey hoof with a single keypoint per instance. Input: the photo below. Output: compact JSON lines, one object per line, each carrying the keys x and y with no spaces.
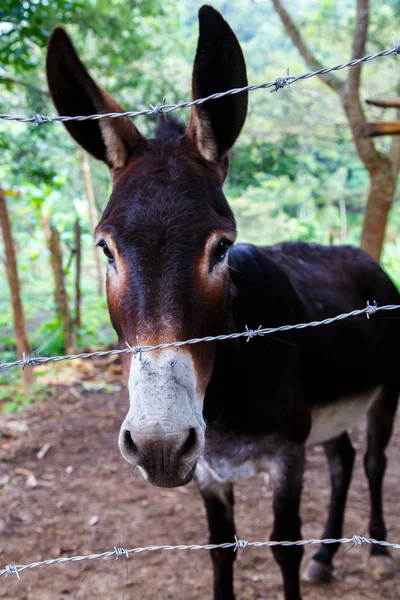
{"x":382,"y":567}
{"x":317,"y":572}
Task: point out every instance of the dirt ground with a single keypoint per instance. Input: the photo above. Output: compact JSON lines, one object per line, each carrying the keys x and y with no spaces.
{"x":82,"y":497}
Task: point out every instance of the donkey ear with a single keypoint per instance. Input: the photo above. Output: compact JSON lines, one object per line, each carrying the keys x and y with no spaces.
{"x":219,"y":66}
{"x":75,"y":93}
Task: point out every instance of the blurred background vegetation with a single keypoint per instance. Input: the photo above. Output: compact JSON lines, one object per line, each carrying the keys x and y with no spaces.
{"x":295,"y":173}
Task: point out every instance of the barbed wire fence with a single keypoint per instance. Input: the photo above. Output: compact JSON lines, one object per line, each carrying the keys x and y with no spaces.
{"x":154,"y":110}
{"x":33,"y":360}
{"x":237,"y":544}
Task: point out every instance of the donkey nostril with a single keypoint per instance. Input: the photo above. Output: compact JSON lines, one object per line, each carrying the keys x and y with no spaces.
{"x":129,"y":443}
{"x":190,"y":443}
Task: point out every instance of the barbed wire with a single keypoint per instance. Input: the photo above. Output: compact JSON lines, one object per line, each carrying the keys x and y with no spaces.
{"x":356,"y":540}
{"x":33,"y":360}
{"x":277,"y":84}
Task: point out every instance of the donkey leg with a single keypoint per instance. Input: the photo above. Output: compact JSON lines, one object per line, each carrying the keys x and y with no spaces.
{"x":340,"y":454}
{"x":380,"y":426}
{"x":218,"y":499}
{"x":286,"y":479}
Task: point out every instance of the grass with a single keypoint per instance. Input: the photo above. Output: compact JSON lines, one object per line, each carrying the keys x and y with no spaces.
{"x":12,"y":396}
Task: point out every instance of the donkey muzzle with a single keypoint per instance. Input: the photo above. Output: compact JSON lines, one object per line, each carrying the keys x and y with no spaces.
{"x":163,"y":432}
{"x":165,"y":460}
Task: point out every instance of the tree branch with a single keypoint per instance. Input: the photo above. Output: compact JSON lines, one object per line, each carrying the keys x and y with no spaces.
{"x":394,"y":103}
{"x":351,"y":95}
{"x":313,"y":63}
{"x":29,"y":86}
{"x":377,"y":128}
{"x":359,"y":42}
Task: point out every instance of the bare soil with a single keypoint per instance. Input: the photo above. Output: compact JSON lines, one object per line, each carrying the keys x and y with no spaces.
{"x":81,"y":498}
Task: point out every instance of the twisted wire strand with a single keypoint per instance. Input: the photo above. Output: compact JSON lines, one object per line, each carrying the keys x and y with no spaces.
{"x":33,"y":360}
{"x":278,"y":83}
{"x":356,"y":540}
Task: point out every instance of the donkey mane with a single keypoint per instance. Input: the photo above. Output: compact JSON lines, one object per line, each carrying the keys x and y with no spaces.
{"x":168,"y":129}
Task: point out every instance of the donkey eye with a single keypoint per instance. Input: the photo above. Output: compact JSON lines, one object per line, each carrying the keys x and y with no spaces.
{"x":106,"y":251}
{"x":221,"y":250}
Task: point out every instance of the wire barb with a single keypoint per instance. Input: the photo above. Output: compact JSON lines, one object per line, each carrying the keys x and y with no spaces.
{"x":358,"y":540}
{"x":158,"y":110}
{"x":136,"y":349}
{"x":28,"y":360}
{"x":371,"y":309}
{"x":139,"y":349}
{"x":39,"y":119}
{"x":396,"y":45}
{"x":281,"y":82}
{"x":253,"y":332}
{"x":239,"y":544}
{"x":119,"y":552}
{"x":11,"y":570}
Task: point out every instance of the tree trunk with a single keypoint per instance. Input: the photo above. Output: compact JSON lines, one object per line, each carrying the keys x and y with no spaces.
{"x":21,"y":336}
{"x":78,"y":232}
{"x":60,"y":292}
{"x":93,"y":216}
{"x":394,"y":151}
{"x":376,"y":214}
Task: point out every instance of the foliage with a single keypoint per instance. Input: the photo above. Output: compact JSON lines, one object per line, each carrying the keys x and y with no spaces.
{"x":254,"y":163}
{"x":26,"y":26}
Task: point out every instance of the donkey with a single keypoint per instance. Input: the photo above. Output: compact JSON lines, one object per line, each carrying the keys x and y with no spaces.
{"x":222,"y":411}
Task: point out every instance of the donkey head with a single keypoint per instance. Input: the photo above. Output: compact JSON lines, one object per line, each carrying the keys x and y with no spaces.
{"x":166,"y":232}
